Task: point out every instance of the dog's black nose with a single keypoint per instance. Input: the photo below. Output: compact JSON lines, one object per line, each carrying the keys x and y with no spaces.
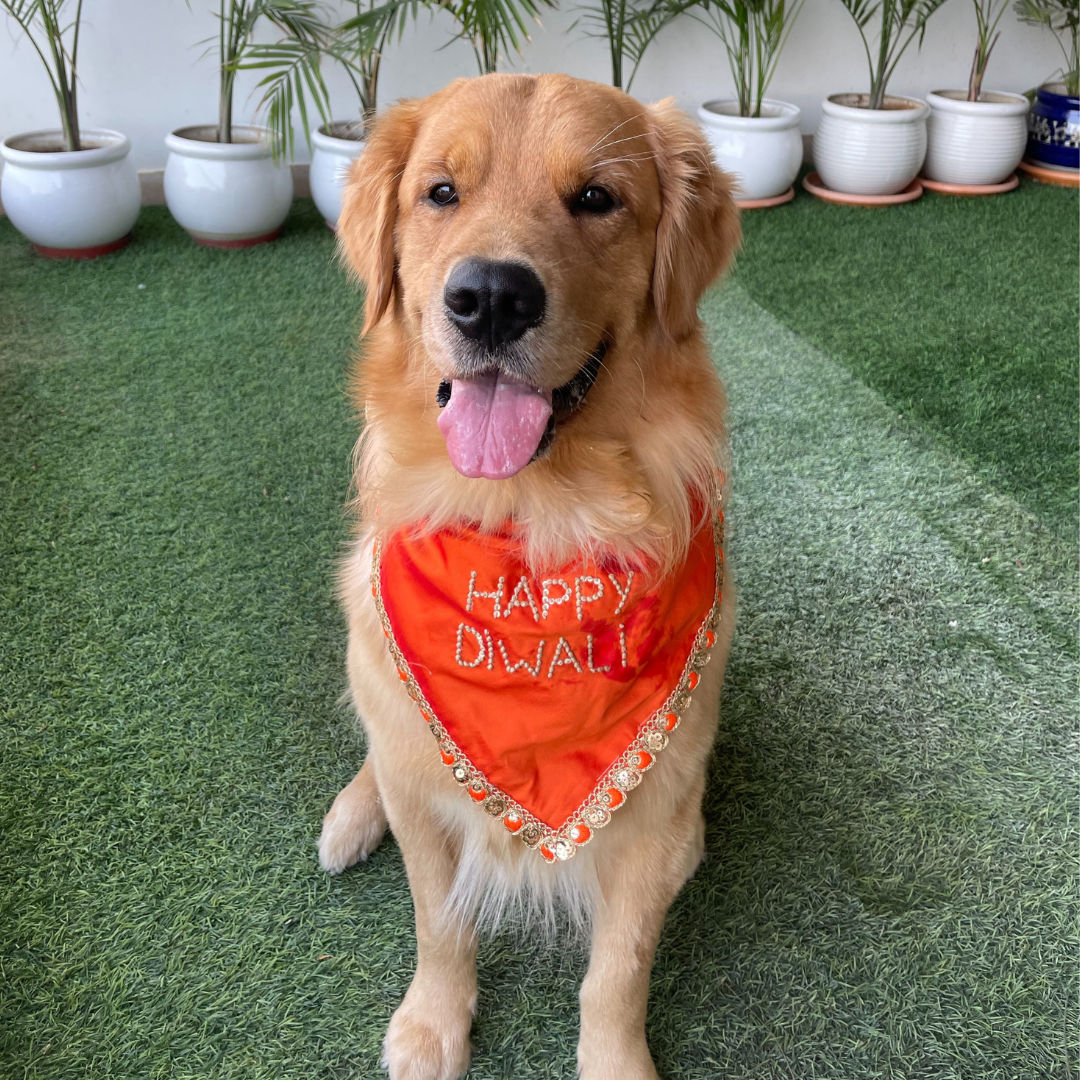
{"x":491,"y":302}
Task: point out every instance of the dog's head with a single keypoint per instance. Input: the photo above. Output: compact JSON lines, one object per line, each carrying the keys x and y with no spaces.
{"x":523,"y":229}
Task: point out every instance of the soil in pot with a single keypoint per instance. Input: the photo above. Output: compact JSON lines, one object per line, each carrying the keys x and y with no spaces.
{"x":208,"y":133}
{"x":862,"y":101}
{"x":53,"y":143}
{"x":353,"y":130}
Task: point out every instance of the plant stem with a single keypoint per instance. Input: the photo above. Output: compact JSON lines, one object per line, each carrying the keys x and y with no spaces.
{"x":758,"y":90}
{"x":1071,"y":76}
{"x":974,"y":76}
{"x":225,"y":98}
{"x":369,"y":73}
{"x":877,"y":84}
{"x":615,"y":37}
{"x":50,"y":21}
{"x":73,"y":88}
{"x":369,"y":68}
{"x":236,"y":25}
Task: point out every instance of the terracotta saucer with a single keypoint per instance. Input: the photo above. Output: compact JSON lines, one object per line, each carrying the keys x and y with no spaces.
{"x":943,"y":188}
{"x":812,"y":183}
{"x":1061,"y":177}
{"x":764,"y":204}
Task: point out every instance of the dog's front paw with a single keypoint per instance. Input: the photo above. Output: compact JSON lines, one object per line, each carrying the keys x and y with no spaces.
{"x":353,"y":828}
{"x":426,"y":1044}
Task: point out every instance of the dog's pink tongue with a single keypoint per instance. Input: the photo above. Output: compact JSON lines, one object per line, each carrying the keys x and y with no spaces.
{"x":493,"y":425}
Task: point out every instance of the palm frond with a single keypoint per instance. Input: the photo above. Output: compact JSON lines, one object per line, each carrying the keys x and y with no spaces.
{"x":495,"y":27}
{"x":862,"y":11}
{"x":1062,"y":19}
{"x":371,"y":28}
{"x":642,"y":27}
{"x":593,"y":19}
{"x":303,"y":20}
{"x":293,"y":78}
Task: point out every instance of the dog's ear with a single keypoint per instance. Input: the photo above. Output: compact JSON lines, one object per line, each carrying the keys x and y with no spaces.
{"x":699,"y":230}
{"x":369,"y":211}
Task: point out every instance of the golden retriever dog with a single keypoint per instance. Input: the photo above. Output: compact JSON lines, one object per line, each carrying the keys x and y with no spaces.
{"x":539,"y":559}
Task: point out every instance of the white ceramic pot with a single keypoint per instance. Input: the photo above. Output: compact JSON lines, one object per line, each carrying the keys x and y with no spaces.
{"x":864,"y":151}
{"x":226,"y":194}
{"x":763,"y":152}
{"x":974,"y":142}
{"x":331,"y":159}
{"x":73,"y":204}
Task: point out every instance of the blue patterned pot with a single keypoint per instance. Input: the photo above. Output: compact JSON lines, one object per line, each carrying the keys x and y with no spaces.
{"x":1054,"y":128}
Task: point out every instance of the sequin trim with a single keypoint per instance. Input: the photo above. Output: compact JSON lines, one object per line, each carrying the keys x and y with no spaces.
{"x":619,"y":779}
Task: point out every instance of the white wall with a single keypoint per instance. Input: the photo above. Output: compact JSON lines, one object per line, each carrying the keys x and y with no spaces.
{"x":143,"y":71}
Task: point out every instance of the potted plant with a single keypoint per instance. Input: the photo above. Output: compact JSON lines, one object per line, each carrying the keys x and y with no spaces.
{"x":1054,"y":123}
{"x":72,"y":192}
{"x":227,"y":184}
{"x":754,"y":137}
{"x":873,"y":144}
{"x":975,"y":137}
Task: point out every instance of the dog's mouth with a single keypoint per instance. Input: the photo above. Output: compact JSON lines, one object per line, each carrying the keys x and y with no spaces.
{"x":495,"y":424}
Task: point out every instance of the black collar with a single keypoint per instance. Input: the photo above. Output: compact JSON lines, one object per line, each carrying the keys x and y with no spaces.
{"x":567,"y":399}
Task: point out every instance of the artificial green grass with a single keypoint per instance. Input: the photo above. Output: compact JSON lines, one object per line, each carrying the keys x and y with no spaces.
{"x":890,"y":889}
{"x":962,"y":313}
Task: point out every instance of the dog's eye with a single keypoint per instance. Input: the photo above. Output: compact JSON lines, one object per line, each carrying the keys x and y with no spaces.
{"x":443,"y":194}
{"x":594,"y":200}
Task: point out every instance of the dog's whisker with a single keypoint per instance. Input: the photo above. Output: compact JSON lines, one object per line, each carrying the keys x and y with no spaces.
{"x":630,"y":119}
{"x":616,"y":142}
{"x":643,"y":156}
{"x":637,"y":155}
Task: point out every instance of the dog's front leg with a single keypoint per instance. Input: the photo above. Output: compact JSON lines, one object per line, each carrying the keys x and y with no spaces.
{"x":354,"y":826}
{"x":638,"y":882}
{"x":428,"y":1037}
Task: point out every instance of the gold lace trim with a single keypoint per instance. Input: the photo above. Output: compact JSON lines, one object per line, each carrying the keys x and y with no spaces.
{"x":620,"y":778}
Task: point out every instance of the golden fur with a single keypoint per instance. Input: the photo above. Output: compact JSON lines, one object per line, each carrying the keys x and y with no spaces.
{"x":623,"y":475}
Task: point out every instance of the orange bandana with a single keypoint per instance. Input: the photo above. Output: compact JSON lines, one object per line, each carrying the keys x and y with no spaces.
{"x":549,"y":695}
